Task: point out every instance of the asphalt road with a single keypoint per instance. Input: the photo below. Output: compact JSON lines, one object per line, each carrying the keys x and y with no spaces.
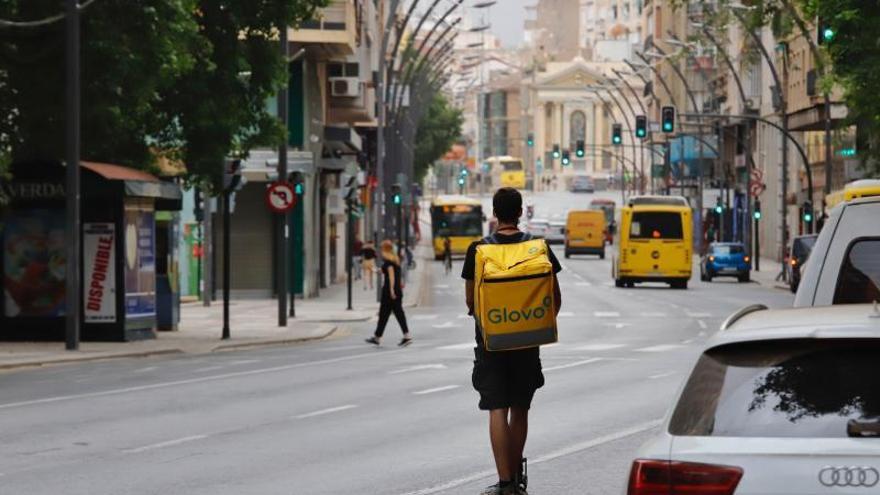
{"x":339,"y":416}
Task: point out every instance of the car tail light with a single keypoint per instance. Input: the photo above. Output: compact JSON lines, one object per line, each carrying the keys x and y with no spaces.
{"x":650,"y":477}
{"x":711,"y":258}
{"x":793,"y":262}
{"x":746,"y":259}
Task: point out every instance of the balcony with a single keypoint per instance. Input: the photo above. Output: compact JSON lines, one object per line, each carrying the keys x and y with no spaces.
{"x":334,"y":26}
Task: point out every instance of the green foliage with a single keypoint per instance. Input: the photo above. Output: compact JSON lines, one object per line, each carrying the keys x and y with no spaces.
{"x":187,"y":78}
{"x":438,"y":130}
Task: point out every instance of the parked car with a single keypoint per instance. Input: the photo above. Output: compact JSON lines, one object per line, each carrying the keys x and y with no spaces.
{"x":783,"y":402}
{"x":799,"y":251}
{"x":725,"y":259}
{"x":582,"y":183}
{"x":555,"y":232}
{"x":844,"y":265}
{"x":538,"y":227}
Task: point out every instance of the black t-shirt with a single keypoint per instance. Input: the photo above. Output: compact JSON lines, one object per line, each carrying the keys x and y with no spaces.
{"x":470,"y":259}
{"x":368,"y":253}
{"x":387,"y":266}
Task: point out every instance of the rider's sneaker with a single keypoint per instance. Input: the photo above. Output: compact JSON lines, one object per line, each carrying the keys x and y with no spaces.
{"x":497,"y":489}
{"x":522,"y":478}
{"x":372,"y":340}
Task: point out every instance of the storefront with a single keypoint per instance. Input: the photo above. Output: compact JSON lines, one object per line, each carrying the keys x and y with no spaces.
{"x":119,"y":251}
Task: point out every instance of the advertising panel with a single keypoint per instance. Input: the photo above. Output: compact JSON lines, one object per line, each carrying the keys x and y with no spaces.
{"x":99,"y":273}
{"x":140,"y":261}
{"x":34,"y":264}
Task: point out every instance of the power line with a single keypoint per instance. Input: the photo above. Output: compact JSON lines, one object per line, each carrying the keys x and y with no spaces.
{"x":42,"y":22}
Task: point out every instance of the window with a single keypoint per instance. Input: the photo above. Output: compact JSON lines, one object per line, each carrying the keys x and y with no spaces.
{"x":512,"y":165}
{"x":859,"y":278}
{"x":727,"y":249}
{"x":786,"y":388}
{"x":577,"y":127}
{"x":656,"y":225}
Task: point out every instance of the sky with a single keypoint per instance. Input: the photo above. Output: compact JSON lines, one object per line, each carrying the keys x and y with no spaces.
{"x":507,"y":17}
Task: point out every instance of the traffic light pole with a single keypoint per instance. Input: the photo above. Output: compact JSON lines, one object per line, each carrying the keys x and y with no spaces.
{"x":349,"y":249}
{"x":756,"y":258}
{"x":281,"y":218}
{"x":226,"y":261}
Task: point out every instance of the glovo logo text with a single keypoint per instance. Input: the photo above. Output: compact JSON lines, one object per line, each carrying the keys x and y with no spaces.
{"x":507,"y":315}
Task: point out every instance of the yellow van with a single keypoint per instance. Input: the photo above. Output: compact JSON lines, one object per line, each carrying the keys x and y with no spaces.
{"x":656,"y":244}
{"x":585,"y":233}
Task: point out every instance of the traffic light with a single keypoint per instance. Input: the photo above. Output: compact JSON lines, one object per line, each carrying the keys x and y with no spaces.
{"x":556,"y":151}
{"x":616,"y":134}
{"x":641,"y":126}
{"x":579,"y":149}
{"x":299,"y":187}
{"x":395,"y":194}
{"x":566,"y":157}
{"x":719,"y":208}
{"x":667,"y":117}
{"x":807,"y":209}
{"x":530,"y":140}
{"x":826,"y":32}
{"x":757,"y":212}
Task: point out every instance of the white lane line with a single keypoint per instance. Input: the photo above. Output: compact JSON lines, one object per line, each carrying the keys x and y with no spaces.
{"x":653,"y":314}
{"x":463,"y":317}
{"x":572,"y":365}
{"x":599,"y":347}
{"x":207,"y":368}
{"x":436,"y":389}
{"x":565,"y":314}
{"x":419,"y":367}
{"x":441,"y":286}
{"x":244,"y":361}
{"x":169,"y":443}
{"x":565,"y":451}
{"x":457,"y":347}
{"x":662,"y":375}
{"x":618,"y":325}
{"x":175,"y":383}
{"x":702,"y":324}
{"x":577,"y":275}
{"x":447,"y":324}
{"x":424,"y":317}
{"x":145,"y":370}
{"x":606,"y":314}
{"x":698,"y":315}
{"x":329,"y":410}
{"x":659,"y":348}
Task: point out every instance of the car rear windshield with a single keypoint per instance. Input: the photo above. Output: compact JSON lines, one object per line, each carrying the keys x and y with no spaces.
{"x":656,"y":225}
{"x":727,"y":250}
{"x":512,"y":165}
{"x":788,"y":388}
{"x":859,"y":278}
{"x":802,"y":246}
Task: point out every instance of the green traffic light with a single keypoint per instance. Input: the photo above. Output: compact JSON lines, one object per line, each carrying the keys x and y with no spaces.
{"x":298,"y":189}
{"x":828,"y":34}
{"x":397,"y":199}
{"x":580,"y":153}
{"x":616,"y":140}
{"x":555,"y":154}
{"x":667,"y":127}
{"x":719,"y":209}
{"x":808,"y":217}
{"x":757,"y":215}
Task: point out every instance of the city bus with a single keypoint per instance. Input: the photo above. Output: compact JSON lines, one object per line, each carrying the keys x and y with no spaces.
{"x":655,"y":243}
{"x":853,"y":190}
{"x":507,"y":171}
{"x":607,"y":206}
{"x":458,"y":217}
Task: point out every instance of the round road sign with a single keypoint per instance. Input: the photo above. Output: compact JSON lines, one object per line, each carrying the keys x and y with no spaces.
{"x":280,"y":197}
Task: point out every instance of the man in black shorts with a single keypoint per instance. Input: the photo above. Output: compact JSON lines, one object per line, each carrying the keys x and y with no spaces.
{"x":506,"y":380}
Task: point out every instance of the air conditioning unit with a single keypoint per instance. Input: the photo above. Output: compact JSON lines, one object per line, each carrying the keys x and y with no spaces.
{"x":349,"y":87}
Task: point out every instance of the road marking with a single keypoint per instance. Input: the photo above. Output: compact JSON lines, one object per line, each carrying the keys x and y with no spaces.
{"x":565,"y":451}
{"x":702,"y":324}
{"x":245,"y":361}
{"x":659,"y":348}
{"x":424,"y":317}
{"x":650,"y":314}
{"x":322,"y":412}
{"x":436,"y":389}
{"x":207,"y":368}
{"x":618,"y":325}
{"x":456,"y":347}
{"x":565,"y":314}
{"x":698,"y":315}
{"x":577,"y":276}
{"x":447,"y":324}
{"x":606,"y":314}
{"x":189,"y":381}
{"x":464,"y":317}
{"x":148,"y":368}
{"x":688,"y":341}
{"x":441,"y":286}
{"x":169,"y":443}
{"x":599,"y":347}
{"x":572,"y":365}
{"x":662,"y":375}
{"x":419,"y":367}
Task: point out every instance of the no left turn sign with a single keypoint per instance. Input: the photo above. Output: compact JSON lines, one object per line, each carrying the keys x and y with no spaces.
{"x":280,"y":197}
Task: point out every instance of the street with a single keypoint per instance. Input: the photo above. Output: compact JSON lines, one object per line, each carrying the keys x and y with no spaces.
{"x":339,"y":416}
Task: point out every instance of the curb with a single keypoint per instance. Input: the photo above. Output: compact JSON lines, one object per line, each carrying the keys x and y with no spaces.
{"x":271,"y":343}
{"x":82,"y":359}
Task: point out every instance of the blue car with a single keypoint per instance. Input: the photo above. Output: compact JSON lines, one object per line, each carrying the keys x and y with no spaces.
{"x":725,"y":259}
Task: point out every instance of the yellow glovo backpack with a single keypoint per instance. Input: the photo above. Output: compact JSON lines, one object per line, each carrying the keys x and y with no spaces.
{"x":513,"y":294}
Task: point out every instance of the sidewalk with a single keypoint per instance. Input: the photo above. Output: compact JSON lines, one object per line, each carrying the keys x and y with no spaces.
{"x":253,"y":322}
{"x":767,"y":276}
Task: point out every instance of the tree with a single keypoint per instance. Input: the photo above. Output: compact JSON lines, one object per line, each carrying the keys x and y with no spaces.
{"x":438,"y":130}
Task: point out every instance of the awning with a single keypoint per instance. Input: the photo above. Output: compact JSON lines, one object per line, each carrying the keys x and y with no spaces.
{"x":140,"y":184}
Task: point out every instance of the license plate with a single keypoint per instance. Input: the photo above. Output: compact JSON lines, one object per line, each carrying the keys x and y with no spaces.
{"x":728,"y":270}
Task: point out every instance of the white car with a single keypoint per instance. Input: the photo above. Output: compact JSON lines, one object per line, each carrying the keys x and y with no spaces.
{"x":781,"y":402}
{"x":555,"y":232}
{"x":538,"y":227}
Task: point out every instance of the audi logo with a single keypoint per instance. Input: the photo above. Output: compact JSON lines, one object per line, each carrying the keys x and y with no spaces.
{"x":851,"y":476}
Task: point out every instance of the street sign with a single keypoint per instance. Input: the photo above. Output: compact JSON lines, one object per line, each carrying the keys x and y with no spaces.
{"x":280,"y":197}
{"x":757,"y":188}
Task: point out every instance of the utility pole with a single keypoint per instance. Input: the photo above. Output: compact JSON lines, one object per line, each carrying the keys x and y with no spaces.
{"x":73,"y":285}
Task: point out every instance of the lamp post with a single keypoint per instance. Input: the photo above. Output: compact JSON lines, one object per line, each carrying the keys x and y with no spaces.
{"x":73,"y":285}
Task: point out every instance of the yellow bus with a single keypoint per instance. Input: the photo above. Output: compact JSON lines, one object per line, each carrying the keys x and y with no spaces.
{"x":655,"y":242}
{"x":460,"y":219}
{"x":507,"y":171}
{"x":853,"y":190}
